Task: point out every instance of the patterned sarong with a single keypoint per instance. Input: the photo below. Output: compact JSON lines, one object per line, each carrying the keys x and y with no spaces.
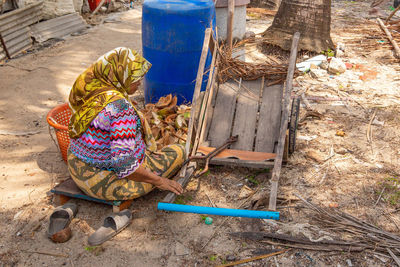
{"x":106,"y":185}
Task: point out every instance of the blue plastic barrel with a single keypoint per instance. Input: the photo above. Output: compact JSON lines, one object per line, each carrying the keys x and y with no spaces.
{"x":172,"y":37}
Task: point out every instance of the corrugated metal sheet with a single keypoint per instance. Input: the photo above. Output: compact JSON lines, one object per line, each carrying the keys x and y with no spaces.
{"x":58,"y":27}
{"x":14,"y":28}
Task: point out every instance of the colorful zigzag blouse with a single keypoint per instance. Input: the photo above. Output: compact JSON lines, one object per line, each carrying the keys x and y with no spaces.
{"x":113,"y":140}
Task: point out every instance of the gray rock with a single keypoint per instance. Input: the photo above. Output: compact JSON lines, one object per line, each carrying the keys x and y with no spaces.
{"x":336,"y":66}
{"x":249,"y":34}
{"x":324,"y":65}
{"x":181,"y":250}
{"x":230,"y":258}
{"x":318,"y":73}
{"x":339,"y":53}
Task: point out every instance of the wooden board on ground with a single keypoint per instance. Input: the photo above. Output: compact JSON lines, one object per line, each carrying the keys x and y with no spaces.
{"x":246,"y":114}
{"x":224,"y":109}
{"x":270,"y":117}
{"x":68,"y":189}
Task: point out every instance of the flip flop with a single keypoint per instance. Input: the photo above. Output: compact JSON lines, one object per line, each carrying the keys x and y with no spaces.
{"x":60,"y":219}
{"x":112,"y":225}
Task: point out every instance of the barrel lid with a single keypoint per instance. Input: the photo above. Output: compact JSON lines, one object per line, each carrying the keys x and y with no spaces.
{"x":178,"y":5}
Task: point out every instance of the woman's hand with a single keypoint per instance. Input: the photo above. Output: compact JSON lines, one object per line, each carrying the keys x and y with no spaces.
{"x":144,"y":175}
{"x":170,"y":185}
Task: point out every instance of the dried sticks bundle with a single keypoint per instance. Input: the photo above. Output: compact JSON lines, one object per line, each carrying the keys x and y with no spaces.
{"x":234,"y":68}
{"x":360,"y":235}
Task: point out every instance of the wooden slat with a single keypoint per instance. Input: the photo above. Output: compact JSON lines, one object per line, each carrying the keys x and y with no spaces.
{"x":187,"y":171}
{"x":202,"y":120}
{"x":269,"y":120}
{"x":238,"y":154}
{"x":196,"y":94}
{"x":221,"y":124}
{"x":242,"y":163}
{"x":284,"y":123}
{"x":245,"y":120}
{"x":210,"y":112}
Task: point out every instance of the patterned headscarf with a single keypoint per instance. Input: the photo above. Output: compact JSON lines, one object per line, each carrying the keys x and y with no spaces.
{"x":106,"y":81}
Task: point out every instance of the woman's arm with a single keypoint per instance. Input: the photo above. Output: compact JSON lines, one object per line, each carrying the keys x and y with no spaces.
{"x":143,"y":175}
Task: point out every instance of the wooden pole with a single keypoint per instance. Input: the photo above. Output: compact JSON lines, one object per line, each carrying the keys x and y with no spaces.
{"x":389,"y":36}
{"x":284,"y":123}
{"x":4,"y":47}
{"x":98,"y":7}
{"x":229,"y":32}
{"x":392,"y":14}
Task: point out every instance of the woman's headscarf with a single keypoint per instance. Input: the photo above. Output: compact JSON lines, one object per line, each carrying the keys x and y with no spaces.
{"x":106,"y":81}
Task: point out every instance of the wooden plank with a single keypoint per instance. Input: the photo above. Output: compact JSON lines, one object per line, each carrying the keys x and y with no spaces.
{"x":242,"y":163}
{"x":187,"y":171}
{"x":211,"y":97}
{"x":269,"y":119}
{"x":284,"y":123}
{"x":210,"y":113}
{"x":238,"y":154}
{"x":224,"y":110}
{"x":202,"y":116}
{"x":245,"y":120}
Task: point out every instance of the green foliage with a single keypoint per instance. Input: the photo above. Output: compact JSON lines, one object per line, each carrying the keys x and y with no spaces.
{"x":96,"y":250}
{"x":391,"y":191}
{"x":329,"y":53}
{"x":182,"y":199}
{"x":252,"y":180}
{"x":213,"y":257}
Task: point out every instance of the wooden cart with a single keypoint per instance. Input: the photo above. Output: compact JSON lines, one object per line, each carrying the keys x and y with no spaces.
{"x":259,"y":114}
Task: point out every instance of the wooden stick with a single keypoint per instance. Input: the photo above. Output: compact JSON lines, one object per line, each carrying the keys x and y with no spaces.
{"x":389,"y":36}
{"x":229,"y":32}
{"x":392,"y":14}
{"x":284,"y":123}
{"x":254,"y":258}
{"x":185,"y":177}
{"x":46,"y":253}
{"x":395,"y":258}
{"x":4,"y":46}
{"x":98,"y":7}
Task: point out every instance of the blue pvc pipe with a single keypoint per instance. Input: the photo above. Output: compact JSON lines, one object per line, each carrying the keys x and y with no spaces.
{"x":219,"y":211}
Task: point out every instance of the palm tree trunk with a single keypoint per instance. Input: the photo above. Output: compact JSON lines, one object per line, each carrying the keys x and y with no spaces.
{"x":312,"y":18}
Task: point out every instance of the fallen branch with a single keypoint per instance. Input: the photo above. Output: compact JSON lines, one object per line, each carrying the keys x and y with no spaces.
{"x":392,"y":14}
{"x":369,"y":132}
{"x":395,"y":258}
{"x":254,"y":258}
{"x":389,"y":36}
{"x":46,"y":253}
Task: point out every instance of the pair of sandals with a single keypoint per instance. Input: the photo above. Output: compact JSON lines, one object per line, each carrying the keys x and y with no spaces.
{"x":59,"y":230}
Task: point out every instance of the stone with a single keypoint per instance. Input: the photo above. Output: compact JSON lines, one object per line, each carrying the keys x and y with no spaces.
{"x":181,"y":250}
{"x":324,"y":65}
{"x":318,"y":73}
{"x":230,"y":258}
{"x":339,"y":53}
{"x":249,"y":34}
{"x":336,"y":66}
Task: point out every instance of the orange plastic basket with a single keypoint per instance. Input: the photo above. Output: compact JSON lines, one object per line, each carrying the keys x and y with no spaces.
{"x":59,"y":118}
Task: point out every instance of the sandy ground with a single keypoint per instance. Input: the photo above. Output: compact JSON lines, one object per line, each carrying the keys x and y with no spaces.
{"x":348,"y":171}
